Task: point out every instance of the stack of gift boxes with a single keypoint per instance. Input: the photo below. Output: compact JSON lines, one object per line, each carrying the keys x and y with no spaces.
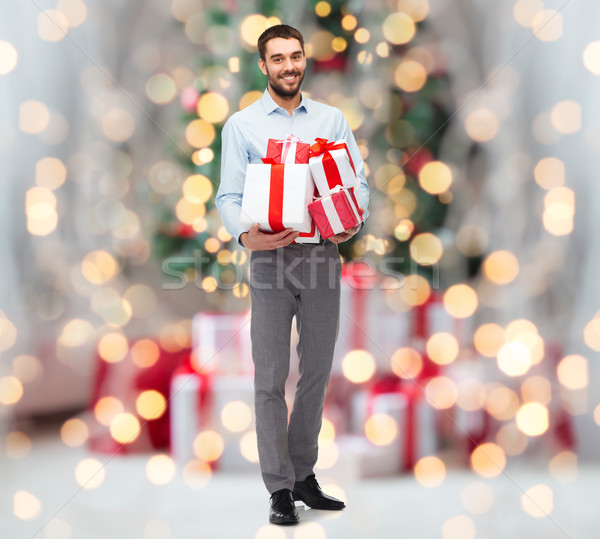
{"x":310,"y":188}
{"x":299,"y":186}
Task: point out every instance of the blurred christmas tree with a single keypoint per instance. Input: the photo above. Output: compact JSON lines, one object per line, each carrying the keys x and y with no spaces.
{"x":383,"y":69}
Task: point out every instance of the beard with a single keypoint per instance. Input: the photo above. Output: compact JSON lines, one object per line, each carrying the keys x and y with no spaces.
{"x":280,"y":87}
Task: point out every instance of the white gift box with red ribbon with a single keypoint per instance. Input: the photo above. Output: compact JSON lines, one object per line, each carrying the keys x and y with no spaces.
{"x":276,"y":197}
{"x":336,"y":212}
{"x":331,"y":165}
{"x":417,"y":433}
{"x":221,"y":342}
{"x":366,"y":321}
{"x":197,"y":404}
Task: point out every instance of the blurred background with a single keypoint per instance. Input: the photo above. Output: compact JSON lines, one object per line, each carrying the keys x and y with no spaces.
{"x":465,"y":385}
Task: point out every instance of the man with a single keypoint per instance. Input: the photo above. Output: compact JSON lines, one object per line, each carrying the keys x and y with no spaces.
{"x":287,"y":279}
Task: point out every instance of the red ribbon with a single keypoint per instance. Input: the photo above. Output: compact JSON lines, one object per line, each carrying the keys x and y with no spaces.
{"x":323,"y":147}
{"x":275,"y":195}
{"x":391,"y":384}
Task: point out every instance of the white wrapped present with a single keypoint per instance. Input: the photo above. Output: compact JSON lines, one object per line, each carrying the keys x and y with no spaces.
{"x":276,"y":197}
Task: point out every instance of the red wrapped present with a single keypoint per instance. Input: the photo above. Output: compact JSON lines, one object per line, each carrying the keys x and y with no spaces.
{"x":277,"y":197}
{"x":336,"y":212}
{"x":123,"y":382}
{"x":331,"y":165}
{"x":288,"y":151}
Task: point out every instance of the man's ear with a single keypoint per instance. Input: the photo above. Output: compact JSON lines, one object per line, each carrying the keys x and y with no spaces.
{"x":262,"y":66}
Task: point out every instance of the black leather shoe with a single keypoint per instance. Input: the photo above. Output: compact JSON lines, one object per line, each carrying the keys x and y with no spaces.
{"x":283,"y":510}
{"x":309,"y":492}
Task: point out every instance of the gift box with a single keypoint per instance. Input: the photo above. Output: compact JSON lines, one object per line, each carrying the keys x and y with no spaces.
{"x":313,"y":236}
{"x":309,"y":237}
{"x":277,"y":197}
{"x":465,"y":429}
{"x":336,"y":212}
{"x":221,"y":343}
{"x":361,"y":459}
{"x":331,"y":165}
{"x":432,"y":317}
{"x":190,"y":405}
{"x":198,"y":401}
{"x":226,"y":390}
{"x":366,"y":321}
{"x":290,"y":150}
{"x":416,"y":420}
{"x":125,"y":381}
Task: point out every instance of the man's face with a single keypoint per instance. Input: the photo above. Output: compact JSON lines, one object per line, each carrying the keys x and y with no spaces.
{"x":284,"y":65}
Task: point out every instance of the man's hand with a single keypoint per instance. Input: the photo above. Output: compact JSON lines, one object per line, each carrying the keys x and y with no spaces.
{"x":255,"y":240}
{"x":346,"y":235}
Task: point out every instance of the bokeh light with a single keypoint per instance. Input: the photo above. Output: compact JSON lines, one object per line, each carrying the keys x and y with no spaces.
{"x":501,"y":267}
{"x":430,"y":471}
{"x":538,"y":501}
{"x":488,"y":460}
{"x":125,"y":428}
{"x":236,"y":416}
{"x":406,"y":363}
{"x":160,"y":469}
{"x":26,"y":505}
{"x":532,"y":419}
{"x":151,"y":404}
{"x":435,"y":177}
{"x":8,"y":57}
{"x":90,"y":473}
{"x":208,"y":445}
{"x":591,"y":57}
{"x":442,"y":348}
{"x":380,"y":429}
{"x":358,"y":366}
{"x":460,"y":300}
{"x":399,"y":28}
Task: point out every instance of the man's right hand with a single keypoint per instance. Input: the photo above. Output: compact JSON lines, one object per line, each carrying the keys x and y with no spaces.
{"x":255,"y":240}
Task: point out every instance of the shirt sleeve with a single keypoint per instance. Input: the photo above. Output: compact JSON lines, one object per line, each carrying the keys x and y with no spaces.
{"x":234,"y":161}
{"x":362,"y":190}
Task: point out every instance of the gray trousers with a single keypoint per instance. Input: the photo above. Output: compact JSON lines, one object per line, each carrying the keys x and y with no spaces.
{"x":302,"y":281}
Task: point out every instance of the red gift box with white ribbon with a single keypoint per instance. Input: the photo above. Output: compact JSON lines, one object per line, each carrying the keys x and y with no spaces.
{"x":331,"y":165}
{"x":290,"y":150}
{"x":336,"y":212}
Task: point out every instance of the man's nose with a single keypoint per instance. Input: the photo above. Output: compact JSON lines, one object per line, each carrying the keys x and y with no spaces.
{"x":288,"y":64}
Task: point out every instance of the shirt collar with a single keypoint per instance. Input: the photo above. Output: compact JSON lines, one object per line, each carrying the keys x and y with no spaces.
{"x":270,"y":105}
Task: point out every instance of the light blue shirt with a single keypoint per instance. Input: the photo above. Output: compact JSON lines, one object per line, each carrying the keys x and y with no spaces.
{"x":245,"y":137}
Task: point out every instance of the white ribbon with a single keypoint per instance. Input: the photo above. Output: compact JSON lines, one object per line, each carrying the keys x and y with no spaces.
{"x":288,"y":149}
{"x":332,"y":215}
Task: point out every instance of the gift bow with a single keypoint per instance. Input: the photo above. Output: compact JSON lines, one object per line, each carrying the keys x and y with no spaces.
{"x":288,"y":148}
{"x":269,"y":161}
{"x":323,"y":146}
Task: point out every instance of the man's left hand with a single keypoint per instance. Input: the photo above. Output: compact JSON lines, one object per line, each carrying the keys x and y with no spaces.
{"x":347,"y":234}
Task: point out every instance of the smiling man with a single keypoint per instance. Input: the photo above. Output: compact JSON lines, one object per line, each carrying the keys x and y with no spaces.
{"x":287,"y":279}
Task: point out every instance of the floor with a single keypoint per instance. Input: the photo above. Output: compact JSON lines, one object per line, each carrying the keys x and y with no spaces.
{"x":126,"y":505}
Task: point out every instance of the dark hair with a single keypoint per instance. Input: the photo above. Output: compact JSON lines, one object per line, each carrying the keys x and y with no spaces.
{"x":279,"y":30}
